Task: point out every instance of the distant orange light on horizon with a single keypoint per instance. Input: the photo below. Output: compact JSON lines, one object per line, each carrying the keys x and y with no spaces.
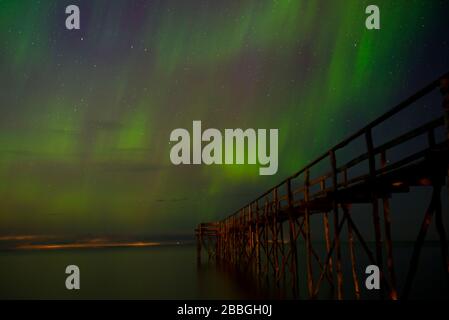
{"x":20,"y":237}
{"x":86,"y":245}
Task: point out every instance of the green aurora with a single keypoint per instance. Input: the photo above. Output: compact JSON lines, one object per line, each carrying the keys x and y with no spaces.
{"x":86,"y":115}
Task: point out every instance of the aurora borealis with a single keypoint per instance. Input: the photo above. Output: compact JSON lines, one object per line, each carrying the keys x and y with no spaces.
{"x":86,"y":115}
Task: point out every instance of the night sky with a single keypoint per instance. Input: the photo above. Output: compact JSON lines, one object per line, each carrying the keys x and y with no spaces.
{"x":86,"y":115}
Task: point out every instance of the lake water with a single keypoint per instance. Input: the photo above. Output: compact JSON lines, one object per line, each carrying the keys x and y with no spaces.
{"x":165,"y":272}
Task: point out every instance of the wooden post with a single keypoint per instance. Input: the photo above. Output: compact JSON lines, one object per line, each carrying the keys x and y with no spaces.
{"x":375,"y":205}
{"x":284,"y":257}
{"x":441,"y":232}
{"x":388,"y":239}
{"x":307,"y":235}
{"x":258,"y":238}
{"x":234,"y":240}
{"x":267,"y":250}
{"x":292,"y":233}
{"x":251,"y":234}
{"x":355,"y":278}
{"x":336,"y":222}
{"x":274,"y":237}
{"x":328,"y":242}
{"x":327,"y":236}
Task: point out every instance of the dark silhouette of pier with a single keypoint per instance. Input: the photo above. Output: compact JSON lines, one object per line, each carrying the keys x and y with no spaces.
{"x":262,"y":238}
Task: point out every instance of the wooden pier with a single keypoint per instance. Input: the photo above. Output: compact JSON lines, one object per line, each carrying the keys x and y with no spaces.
{"x":263,"y":237}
